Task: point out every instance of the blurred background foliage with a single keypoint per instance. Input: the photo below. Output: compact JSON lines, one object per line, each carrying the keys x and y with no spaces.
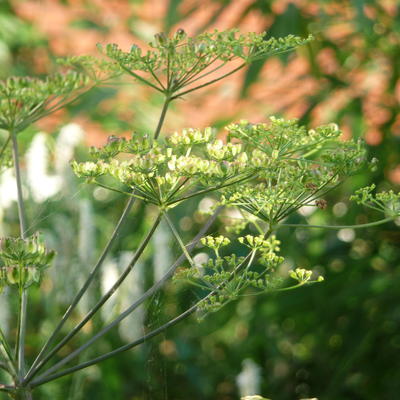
{"x":336,"y":340}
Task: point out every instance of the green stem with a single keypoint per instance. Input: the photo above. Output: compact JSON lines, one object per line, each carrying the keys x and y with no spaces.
{"x":5,"y":350}
{"x":94,"y":310}
{"x":138,"y":77}
{"x":358,"y":226}
{"x":84,"y":288}
{"x":150,"y":292}
{"x":162,"y":117}
{"x":22,"y":393}
{"x":21,"y":332}
{"x":214,"y":188}
{"x":155,"y":332}
{"x":179,"y":240}
{"x":208,"y":83}
{"x":3,"y":149}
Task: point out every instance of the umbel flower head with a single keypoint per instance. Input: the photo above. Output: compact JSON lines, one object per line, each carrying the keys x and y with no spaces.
{"x":25,"y":100}
{"x":171,"y":63}
{"x":24,"y":261}
{"x":268,"y":170}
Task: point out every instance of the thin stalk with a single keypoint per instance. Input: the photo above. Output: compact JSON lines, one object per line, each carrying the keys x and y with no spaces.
{"x":44,"y":378}
{"x":208,"y":83}
{"x":3,"y":149}
{"x":143,"y":80}
{"x":85,"y":286}
{"x":162,"y":117}
{"x":21,"y":332}
{"x":179,"y":240}
{"x":41,"y":379}
{"x":358,"y":226}
{"x":204,"y":191}
{"x":5,"y":350}
{"x":106,"y":250}
{"x":47,"y":378}
{"x":98,"y":305}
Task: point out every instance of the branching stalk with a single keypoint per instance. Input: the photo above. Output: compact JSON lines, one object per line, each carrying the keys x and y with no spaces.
{"x":85,"y":286}
{"x":99,"y":304}
{"x":358,"y":226}
{"x":42,"y":379}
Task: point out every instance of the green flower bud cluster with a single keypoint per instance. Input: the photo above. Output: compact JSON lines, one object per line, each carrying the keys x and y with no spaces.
{"x":24,"y":261}
{"x":215,"y":242}
{"x":387,"y":201}
{"x":190,"y":137}
{"x":255,"y":242}
{"x":268,"y":170}
{"x":220,"y":151}
{"x":303,"y":276}
{"x":161,"y":174}
{"x":226,"y":277}
{"x":293,"y":166}
{"x":177,"y":61}
{"x":282,"y":137}
{"x":89,"y":170}
{"x":25,"y":100}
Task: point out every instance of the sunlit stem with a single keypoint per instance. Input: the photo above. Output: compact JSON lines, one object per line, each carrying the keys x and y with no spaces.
{"x":23,"y":297}
{"x":162,"y":116}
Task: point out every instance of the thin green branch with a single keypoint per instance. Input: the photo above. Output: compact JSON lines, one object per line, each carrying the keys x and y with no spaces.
{"x":212,"y":189}
{"x":162,"y":117}
{"x":23,"y":297}
{"x":85,"y":286}
{"x":358,"y":226}
{"x":47,"y":378}
{"x":150,"y":292}
{"x":143,"y":80}
{"x":94,"y":310}
{"x":179,"y":239}
{"x":208,"y":83}
{"x":3,"y":149}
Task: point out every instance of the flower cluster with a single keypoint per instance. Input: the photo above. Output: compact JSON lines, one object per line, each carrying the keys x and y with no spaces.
{"x":25,"y":100}
{"x":166,"y":173}
{"x":24,"y":261}
{"x":267,"y":170}
{"x":294,"y":166}
{"x":225,"y":277}
{"x":303,"y":276}
{"x":174,"y":62}
{"x":386,"y":202}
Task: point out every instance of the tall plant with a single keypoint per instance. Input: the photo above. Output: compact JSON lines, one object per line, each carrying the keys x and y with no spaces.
{"x":266,"y":171}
